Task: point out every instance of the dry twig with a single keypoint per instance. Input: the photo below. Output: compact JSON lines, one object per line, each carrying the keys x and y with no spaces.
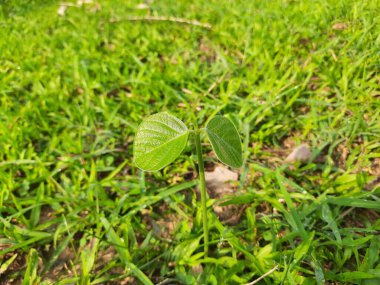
{"x":263,"y":276}
{"x":164,"y":19}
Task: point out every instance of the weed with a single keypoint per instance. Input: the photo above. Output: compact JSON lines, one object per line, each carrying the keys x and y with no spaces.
{"x":161,"y":138}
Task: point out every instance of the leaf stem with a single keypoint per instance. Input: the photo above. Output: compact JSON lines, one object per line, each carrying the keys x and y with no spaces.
{"x":202,"y":180}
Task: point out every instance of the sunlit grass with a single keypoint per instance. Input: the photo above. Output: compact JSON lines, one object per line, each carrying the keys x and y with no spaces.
{"x":75,"y":209}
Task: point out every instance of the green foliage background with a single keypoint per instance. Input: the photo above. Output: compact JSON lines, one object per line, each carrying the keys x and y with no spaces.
{"x":73,"y":88}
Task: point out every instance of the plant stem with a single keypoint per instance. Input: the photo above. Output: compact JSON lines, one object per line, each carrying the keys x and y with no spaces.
{"x":202,"y":180}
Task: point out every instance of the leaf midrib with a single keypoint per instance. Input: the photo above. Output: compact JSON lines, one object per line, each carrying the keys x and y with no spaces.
{"x":234,"y":151}
{"x":165,"y":143}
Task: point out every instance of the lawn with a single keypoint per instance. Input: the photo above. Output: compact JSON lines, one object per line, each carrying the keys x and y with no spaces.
{"x":76,"y":80}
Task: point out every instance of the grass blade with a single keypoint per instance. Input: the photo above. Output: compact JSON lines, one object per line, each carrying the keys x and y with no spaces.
{"x":124,"y":253}
{"x":296,"y":219}
{"x":30,"y":276}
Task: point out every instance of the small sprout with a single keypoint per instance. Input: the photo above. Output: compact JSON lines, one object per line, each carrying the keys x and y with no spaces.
{"x":161,"y":138}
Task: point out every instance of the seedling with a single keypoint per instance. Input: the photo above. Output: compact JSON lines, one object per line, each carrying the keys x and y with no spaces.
{"x":161,"y":138}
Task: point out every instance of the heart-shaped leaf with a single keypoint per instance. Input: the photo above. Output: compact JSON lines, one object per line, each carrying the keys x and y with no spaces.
{"x":159,"y":140}
{"x":225,"y":141}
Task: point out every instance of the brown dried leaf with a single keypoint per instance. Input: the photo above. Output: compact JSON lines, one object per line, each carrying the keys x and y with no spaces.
{"x":375,"y":167}
{"x":340,"y":26}
{"x":221,"y":182}
{"x":61,"y":10}
{"x":342,"y":152}
{"x":142,"y":6}
{"x":301,"y":153}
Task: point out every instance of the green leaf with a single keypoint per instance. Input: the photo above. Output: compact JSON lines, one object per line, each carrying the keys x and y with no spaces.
{"x":303,"y":249}
{"x":354,"y":202}
{"x":7,"y":263}
{"x":329,"y":219}
{"x":159,"y":140}
{"x":31,"y":275}
{"x":225,"y":141}
{"x":123,"y":252}
{"x":295,"y":218}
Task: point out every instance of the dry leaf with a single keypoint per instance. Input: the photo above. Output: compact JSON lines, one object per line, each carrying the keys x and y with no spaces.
{"x":197,"y":269}
{"x":339,"y":26}
{"x":220,"y":182}
{"x":81,"y":2}
{"x":142,"y":6}
{"x":375,"y":167}
{"x":61,"y":10}
{"x":301,"y":153}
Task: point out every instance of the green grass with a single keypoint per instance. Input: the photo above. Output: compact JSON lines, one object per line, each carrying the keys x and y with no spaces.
{"x":74,"y":209}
